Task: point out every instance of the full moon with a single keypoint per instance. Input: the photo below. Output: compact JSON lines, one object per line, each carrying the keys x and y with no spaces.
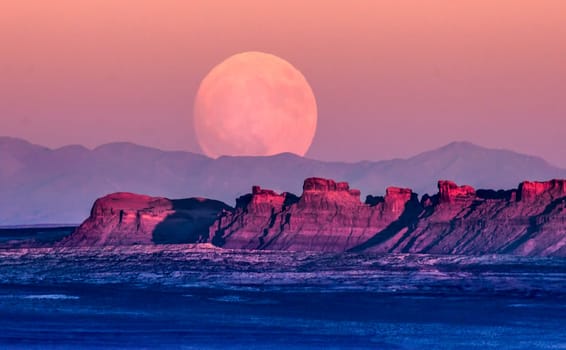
{"x":254,"y":104}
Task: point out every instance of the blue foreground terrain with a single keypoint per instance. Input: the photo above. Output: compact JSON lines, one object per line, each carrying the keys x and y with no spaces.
{"x":201,"y":297}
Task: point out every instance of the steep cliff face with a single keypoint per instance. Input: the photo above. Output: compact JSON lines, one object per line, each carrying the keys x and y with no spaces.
{"x":130,"y":219}
{"x":328,"y":216}
{"x":541,"y":191}
{"x":449,"y":192}
{"x":530,"y":220}
{"x":255,"y":214}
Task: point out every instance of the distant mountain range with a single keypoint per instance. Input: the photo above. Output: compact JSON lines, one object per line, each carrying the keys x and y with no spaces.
{"x":39,"y":185}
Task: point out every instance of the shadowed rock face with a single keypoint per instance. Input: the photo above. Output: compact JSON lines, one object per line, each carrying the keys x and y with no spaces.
{"x":528,"y":221}
{"x":329,"y":216}
{"x":32,"y":176}
{"x":130,"y":219}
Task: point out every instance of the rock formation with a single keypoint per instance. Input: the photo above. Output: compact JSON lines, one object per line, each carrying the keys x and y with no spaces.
{"x":130,"y":219}
{"x":530,"y":220}
{"x":329,"y":216}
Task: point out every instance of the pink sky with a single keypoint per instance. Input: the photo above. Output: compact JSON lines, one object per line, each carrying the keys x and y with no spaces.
{"x":392,"y":78}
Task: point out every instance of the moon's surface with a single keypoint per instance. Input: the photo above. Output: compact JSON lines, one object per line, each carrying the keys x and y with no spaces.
{"x":254,"y":104}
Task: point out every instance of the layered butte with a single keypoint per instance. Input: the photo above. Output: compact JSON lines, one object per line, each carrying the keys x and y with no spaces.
{"x":132,"y":219}
{"x":330,"y":216}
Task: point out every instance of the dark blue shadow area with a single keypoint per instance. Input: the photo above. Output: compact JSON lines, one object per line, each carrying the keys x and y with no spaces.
{"x":126,"y":316}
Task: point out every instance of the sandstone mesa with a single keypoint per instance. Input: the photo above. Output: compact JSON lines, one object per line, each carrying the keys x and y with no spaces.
{"x":329,"y":216}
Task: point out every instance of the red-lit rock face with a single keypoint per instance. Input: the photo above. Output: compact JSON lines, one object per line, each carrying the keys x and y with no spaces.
{"x":449,"y":192}
{"x":462,"y":221}
{"x":318,"y":192}
{"x":129,"y":219}
{"x":128,"y":203}
{"x":396,"y":199}
{"x":262,"y":199}
{"x":317,"y":184}
{"x":530,"y":220}
{"x":529,"y":191}
{"x":329,"y":216}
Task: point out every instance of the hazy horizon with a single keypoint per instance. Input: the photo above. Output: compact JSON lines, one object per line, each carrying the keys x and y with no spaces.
{"x":417,"y":153}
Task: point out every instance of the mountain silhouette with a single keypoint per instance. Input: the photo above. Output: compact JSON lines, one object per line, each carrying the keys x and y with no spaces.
{"x":39,"y":185}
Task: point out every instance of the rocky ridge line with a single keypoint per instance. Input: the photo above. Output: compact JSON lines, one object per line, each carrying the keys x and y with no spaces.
{"x":330,"y":216}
